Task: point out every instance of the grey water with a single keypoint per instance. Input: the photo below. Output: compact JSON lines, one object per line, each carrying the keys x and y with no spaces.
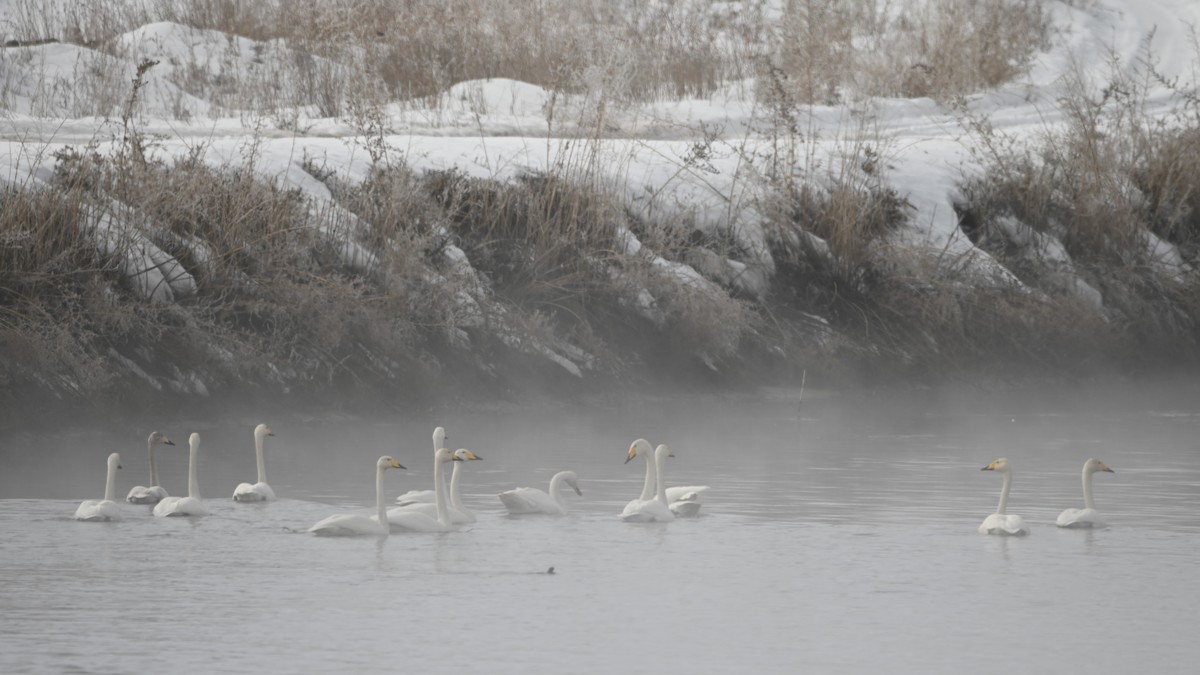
{"x":838,"y":536}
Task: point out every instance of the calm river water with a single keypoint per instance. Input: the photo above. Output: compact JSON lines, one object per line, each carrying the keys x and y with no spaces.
{"x":839,"y":536}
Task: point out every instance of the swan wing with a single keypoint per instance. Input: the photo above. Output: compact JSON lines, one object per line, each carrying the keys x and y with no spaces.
{"x":416,"y":497}
{"x":685,"y":509}
{"x":429,"y":509}
{"x":685,"y":493}
{"x":1003,"y":524}
{"x":400,"y":518}
{"x":146,"y":495}
{"x":347,"y":525}
{"x":259,"y":492}
{"x":1079,"y":519}
{"x":530,"y":500}
{"x":647,"y":511}
{"x":98,"y":510}
{"x":180,"y":506}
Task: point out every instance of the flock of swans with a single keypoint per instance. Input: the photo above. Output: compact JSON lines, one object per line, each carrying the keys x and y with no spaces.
{"x":1003,"y":523}
{"x":433,"y":511}
{"x":416,"y":510}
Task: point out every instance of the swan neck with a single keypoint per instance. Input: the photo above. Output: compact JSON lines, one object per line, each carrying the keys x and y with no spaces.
{"x":110,"y":483}
{"x":439,"y":493}
{"x":455,"y":497}
{"x":193,"y":481}
{"x":555,"y":483}
{"x":380,"y":511}
{"x":651,"y":479}
{"x":153,"y":469}
{"x":1004,"y":493}
{"x":258,"y":454}
{"x":1087,"y":490}
{"x":660,"y":468}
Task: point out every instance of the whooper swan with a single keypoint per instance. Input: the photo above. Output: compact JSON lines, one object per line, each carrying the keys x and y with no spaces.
{"x":153,"y":493}
{"x":1001,"y":522}
{"x":103,"y":509}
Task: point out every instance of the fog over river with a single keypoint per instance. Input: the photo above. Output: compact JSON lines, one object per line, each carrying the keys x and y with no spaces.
{"x":839,"y":535}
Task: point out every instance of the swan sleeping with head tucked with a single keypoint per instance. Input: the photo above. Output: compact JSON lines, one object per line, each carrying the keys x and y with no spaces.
{"x":352,"y":524}
{"x":260,"y":491}
{"x":1087,"y":516}
{"x":1001,"y":522}
{"x":404,"y":519}
{"x":103,"y":509}
{"x":652,"y":505}
{"x":153,"y":493}
{"x":191,"y":504}
{"x":524,"y":500}
{"x":457,"y":510}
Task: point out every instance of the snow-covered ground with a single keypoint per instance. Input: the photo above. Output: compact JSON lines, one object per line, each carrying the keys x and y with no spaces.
{"x":503,"y":128}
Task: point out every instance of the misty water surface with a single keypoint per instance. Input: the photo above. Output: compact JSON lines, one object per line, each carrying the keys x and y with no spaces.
{"x":838,"y":537}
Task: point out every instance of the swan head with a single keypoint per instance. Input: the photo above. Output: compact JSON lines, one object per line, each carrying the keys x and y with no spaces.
{"x":1093,"y":465}
{"x":439,"y":437}
{"x":571,"y":479}
{"x":640,"y":446}
{"x":263,"y":430}
{"x":444,"y":455}
{"x":194,"y":440}
{"x":387,"y":462}
{"x":1000,"y":465}
{"x":463,"y":454}
{"x":114,"y":461}
{"x":662,"y":448}
{"x":159,"y":437}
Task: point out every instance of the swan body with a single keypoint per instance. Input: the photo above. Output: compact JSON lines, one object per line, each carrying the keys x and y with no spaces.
{"x":103,"y":509}
{"x":191,"y":504}
{"x":685,"y":493}
{"x":401,"y":518}
{"x":425,"y":496}
{"x":684,"y":500}
{"x":260,"y":491}
{"x":352,"y":524}
{"x":153,"y":493}
{"x":1000,"y":522}
{"x":1087,"y":516}
{"x":652,"y":506}
{"x":524,"y":500}
{"x":457,"y":510}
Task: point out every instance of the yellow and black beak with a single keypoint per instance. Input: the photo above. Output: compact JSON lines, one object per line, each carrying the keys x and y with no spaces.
{"x":398,"y":465}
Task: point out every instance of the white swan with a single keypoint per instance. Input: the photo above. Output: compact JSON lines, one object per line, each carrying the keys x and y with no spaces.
{"x":401,"y":518}
{"x":532,"y":500}
{"x":153,"y":493}
{"x":684,"y":500}
{"x":1087,"y":516}
{"x":191,"y":504}
{"x":1001,"y":522}
{"x":351,"y":524}
{"x":260,"y":491}
{"x":652,"y":508}
{"x":425,"y":496}
{"x":103,"y":509}
{"x":458,"y":511}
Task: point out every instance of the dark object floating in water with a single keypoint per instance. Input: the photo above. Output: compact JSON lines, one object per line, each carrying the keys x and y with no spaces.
{"x":551,"y":570}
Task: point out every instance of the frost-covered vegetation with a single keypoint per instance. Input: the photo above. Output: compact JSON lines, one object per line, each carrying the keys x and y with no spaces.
{"x":389,"y":199}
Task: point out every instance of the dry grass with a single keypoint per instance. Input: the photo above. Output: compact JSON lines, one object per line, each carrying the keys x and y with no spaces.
{"x":1104,"y":186}
{"x":374,"y":50}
